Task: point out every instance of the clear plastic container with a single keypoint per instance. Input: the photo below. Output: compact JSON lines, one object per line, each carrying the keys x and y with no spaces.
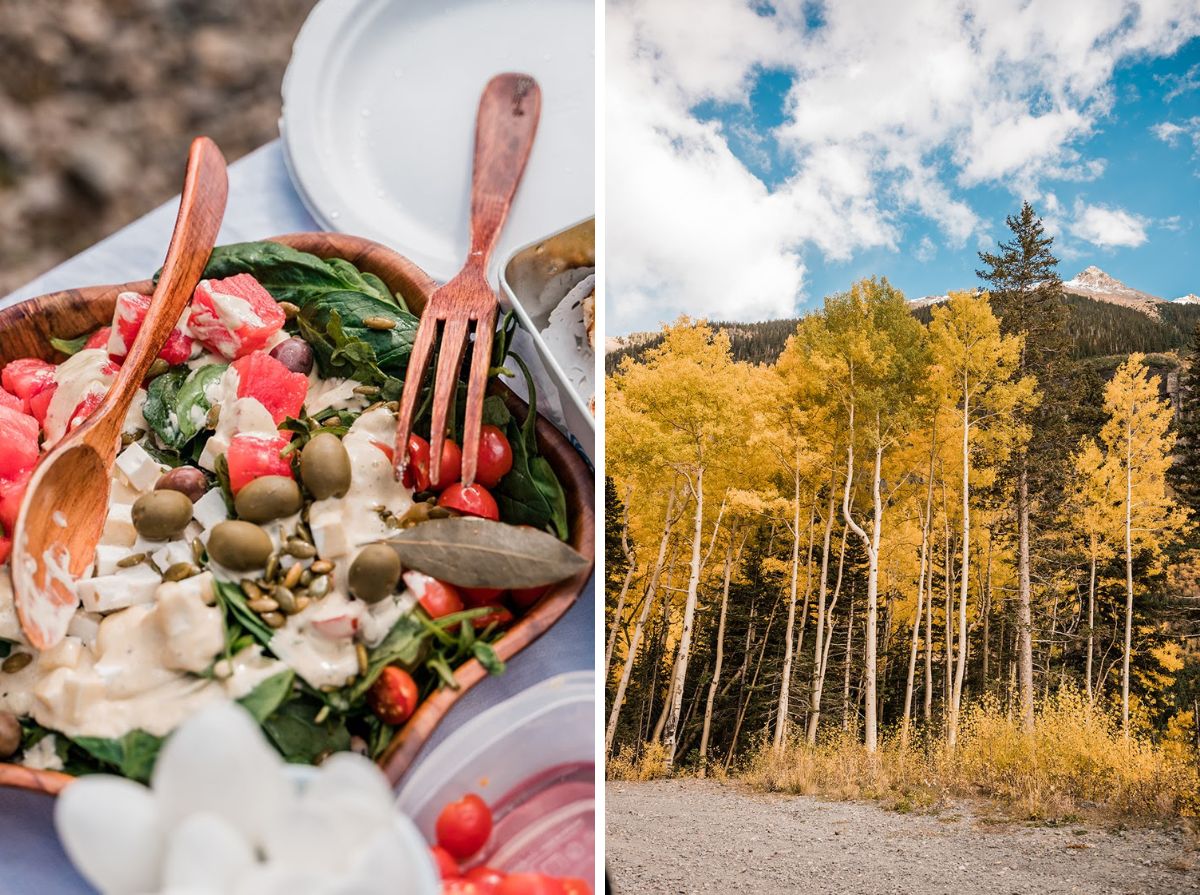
{"x":532,"y":759}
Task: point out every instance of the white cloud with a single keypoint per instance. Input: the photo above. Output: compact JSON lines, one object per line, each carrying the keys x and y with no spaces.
{"x":926,"y":250}
{"x":1109,"y":227}
{"x":895,"y":109}
{"x":1168,"y":132}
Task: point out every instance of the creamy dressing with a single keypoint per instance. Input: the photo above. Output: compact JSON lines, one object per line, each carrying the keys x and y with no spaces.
{"x":233,"y":311}
{"x":84,"y":373}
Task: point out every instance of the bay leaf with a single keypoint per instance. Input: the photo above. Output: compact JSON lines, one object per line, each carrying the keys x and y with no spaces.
{"x":481,"y":553}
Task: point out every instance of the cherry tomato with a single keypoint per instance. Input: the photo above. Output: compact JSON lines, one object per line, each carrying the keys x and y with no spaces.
{"x":495,"y":457}
{"x":436,"y":597}
{"x":470,"y":500}
{"x":574,"y":886}
{"x":464,"y":826}
{"x":487,"y":878}
{"x":524,"y":597}
{"x":393,"y":696}
{"x":447,"y":866}
{"x":463,"y":887}
{"x":499,"y":616}
{"x":450,"y":470}
{"x":480,"y":596}
{"x":530,"y":884}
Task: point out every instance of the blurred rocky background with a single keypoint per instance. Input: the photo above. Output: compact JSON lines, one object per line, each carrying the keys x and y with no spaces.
{"x":99,"y":100}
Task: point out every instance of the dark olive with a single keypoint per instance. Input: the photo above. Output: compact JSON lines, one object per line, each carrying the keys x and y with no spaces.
{"x":268,"y":497}
{"x":374,"y":573}
{"x":240,"y":546}
{"x":162,"y":515}
{"x":325,"y":466}
{"x":187,"y":480}
{"x":295,"y":354}
{"x":10,"y":734}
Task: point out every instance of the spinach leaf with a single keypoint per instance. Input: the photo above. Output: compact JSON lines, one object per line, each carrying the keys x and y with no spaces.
{"x":133,"y":755}
{"x":340,"y":316}
{"x":263,"y":700}
{"x":287,"y":273}
{"x":404,"y":645}
{"x":297,"y":734}
{"x":70,"y":346}
{"x":531,"y":494}
{"x":159,"y":411}
{"x":192,"y":395}
{"x":238,"y":615}
{"x":495,"y":412}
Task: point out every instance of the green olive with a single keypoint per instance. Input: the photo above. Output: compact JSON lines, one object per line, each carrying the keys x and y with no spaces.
{"x":374,"y":573}
{"x":162,"y":515}
{"x":268,"y":497}
{"x":325,"y":466}
{"x":240,"y":546}
{"x":10,"y":734}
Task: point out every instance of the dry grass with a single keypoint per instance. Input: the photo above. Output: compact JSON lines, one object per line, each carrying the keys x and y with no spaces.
{"x":1073,"y":762}
{"x":626,"y":765}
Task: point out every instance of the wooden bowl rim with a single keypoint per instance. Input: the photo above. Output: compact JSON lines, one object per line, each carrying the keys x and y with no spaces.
{"x":402,"y":275}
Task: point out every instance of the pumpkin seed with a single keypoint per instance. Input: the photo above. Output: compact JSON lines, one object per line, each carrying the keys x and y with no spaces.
{"x":16,"y":662}
{"x":213,"y":417}
{"x":157,"y":368}
{"x":321,"y":567}
{"x":367,"y":391}
{"x":180,"y":570}
{"x":272,"y":567}
{"x":263,"y":604}
{"x":284,"y":598}
{"x":134,"y":559}
{"x":292,"y":576}
{"x":302,"y":603}
{"x":319,"y":587}
{"x":253,"y":591}
{"x":360,"y":652}
{"x":289,"y":310}
{"x":380,"y":323}
{"x":197,"y":550}
{"x":300,"y":548}
{"x":306,"y":578}
{"x":128,"y":438}
{"x":273,"y":619}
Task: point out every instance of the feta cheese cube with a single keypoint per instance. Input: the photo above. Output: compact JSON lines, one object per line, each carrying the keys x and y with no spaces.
{"x":329,"y":534}
{"x":198,"y":589}
{"x":210,"y":509}
{"x":127,"y":587}
{"x":192,"y":632}
{"x":107,"y":557}
{"x":171,"y":553}
{"x":118,"y":527}
{"x":140,"y":470}
{"x":85,"y":626}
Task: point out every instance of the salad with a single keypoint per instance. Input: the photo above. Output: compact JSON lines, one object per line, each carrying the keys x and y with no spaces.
{"x":258,"y":547}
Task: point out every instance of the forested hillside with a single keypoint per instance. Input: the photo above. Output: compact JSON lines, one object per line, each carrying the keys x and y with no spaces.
{"x":956,"y":545}
{"x":1093,"y":328}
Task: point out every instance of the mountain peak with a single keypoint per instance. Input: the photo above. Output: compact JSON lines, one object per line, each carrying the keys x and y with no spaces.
{"x":1094,"y":283}
{"x":1190,"y":299}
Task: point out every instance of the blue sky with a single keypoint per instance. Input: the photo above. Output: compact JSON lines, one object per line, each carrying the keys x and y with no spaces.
{"x":807,"y":153}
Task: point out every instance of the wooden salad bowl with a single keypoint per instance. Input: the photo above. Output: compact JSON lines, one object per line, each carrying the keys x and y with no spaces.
{"x":26,"y":330}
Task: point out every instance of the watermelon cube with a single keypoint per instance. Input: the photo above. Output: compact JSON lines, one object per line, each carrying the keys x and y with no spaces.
{"x":273,"y":385}
{"x":18,"y":442}
{"x":8,"y":399}
{"x":130,"y":311}
{"x":251,"y":456}
{"x":234,"y":316}
{"x":99,"y":339}
{"x":26,"y":376}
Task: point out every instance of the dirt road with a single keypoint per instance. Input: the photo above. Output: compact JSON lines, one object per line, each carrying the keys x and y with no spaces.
{"x":693,"y":836}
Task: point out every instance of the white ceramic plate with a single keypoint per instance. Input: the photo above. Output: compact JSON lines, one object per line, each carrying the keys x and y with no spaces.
{"x":379,"y":112}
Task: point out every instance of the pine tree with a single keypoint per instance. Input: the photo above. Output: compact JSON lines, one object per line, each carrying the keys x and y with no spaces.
{"x":1184,"y":475}
{"x":1026,"y":294}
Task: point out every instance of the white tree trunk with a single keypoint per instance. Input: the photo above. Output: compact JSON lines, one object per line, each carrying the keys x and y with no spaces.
{"x":818,"y":677}
{"x":964,"y":571}
{"x":630,"y":569}
{"x":636,"y":640}
{"x":671,"y":733}
{"x":1091,"y":638}
{"x":720,"y":658}
{"x":785,"y":679}
{"x":1128,"y":575}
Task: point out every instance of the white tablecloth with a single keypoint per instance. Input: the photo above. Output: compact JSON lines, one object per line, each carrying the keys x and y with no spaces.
{"x":262,"y":202}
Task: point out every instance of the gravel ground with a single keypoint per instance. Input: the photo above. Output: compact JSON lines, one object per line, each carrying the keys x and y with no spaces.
{"x":99,"y":100}
{"x":695,"y":836}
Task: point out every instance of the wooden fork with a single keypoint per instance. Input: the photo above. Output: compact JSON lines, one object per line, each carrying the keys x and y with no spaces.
{"x":504,"y":131}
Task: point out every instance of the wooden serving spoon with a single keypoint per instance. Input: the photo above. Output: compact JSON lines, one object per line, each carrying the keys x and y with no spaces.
{"x":66,"y":504}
